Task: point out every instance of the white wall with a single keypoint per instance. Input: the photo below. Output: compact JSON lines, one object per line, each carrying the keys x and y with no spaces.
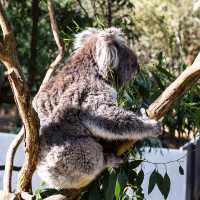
{"x":178,"y":182}
{"x":5,"y":140}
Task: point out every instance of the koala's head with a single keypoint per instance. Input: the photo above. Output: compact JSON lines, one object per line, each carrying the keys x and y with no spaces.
{"x":115,"y":60}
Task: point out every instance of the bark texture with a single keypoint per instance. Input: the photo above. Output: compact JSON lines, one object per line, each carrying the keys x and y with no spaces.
{"x":8,"y":56}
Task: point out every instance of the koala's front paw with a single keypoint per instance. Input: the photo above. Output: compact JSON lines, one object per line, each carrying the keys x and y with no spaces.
{"x":143,"y":114}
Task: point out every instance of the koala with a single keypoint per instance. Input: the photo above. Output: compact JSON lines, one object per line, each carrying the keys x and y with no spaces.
{"x":77,"y":108}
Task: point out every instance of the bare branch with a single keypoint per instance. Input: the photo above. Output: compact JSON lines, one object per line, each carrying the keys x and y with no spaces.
{"x":23,"y":102}
{"x":17,"y":140}
{"x":109,"y":13}
{"x":9,"y":161}
{"x":176,"y":89}
{"x":166,"y":100}
{"x":6,"y":28}
{"x":35,"y":11}
{"x":81,"y":6}
{"x":58,"y":40}
{"x":7,"y":196}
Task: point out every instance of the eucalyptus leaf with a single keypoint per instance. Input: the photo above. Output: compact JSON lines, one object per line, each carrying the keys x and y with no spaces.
{"x":135,"y":163}
{"x":140,"y":177}
{"x":117,"y":190}
{"x":166,"y":185}
{"x":152,"y":181}
{"x":110,"y":190}
{"x":181,"y":170}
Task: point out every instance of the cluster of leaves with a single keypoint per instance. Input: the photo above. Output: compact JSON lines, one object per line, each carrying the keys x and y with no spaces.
{"x":163,"y":183}
{"x":122,"y":184}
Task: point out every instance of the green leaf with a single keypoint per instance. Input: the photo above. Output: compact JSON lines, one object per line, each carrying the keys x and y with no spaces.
{"x":94,"y":193}
{"x":135,"y":163}
{"x":140,"y":177}
{"x":181,"y":170}
{"x":159,"y":181}
{"x":152,"y":181}
{"x":165,"y":72}
{"x":132,"y":176}
{"x":117,"y":190}
{"x":123,"y":179}
{"x":166,"y":185}
{"x":110,"y":190}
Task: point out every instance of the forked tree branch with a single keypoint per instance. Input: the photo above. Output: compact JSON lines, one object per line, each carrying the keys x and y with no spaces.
{"x":23,"y":102}
{"x":14,"y":145}
{"x":166,"y":100}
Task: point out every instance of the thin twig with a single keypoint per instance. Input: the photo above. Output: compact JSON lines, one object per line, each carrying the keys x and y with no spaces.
{"x":109,"y":15}
{"x":6,"y":28}
{"x":9,"y":161}
{"x":58,"y":40}
{"x":82,"y":7}
{"x":35,"y":11}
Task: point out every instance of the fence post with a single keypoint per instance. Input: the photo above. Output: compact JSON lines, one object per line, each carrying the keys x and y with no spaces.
{"x":190,"y":172}
{"x":196,"y":170}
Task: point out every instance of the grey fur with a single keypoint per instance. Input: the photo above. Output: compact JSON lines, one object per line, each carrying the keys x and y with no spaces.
{"x":77,"y":107}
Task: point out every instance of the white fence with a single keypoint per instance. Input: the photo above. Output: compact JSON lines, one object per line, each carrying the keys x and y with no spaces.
{"x":178,"y":182}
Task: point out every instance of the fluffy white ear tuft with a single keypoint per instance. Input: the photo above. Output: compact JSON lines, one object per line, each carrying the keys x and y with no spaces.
{"x":108,"y":42}
{"x":81,"y":37}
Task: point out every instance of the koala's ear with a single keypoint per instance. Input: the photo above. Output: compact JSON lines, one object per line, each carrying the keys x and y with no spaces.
{"x":83,"y":36}
{"x":107,"y":45}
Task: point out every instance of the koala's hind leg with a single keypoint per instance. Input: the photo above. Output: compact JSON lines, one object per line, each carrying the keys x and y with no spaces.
{"x":74,"y":164}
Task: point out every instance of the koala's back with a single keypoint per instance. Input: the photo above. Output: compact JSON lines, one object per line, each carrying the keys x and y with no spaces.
{"x":62,"y":92}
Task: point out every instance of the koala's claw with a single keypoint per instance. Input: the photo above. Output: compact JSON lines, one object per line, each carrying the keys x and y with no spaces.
{"x":143,"y":113}
{"x":157,"y":128}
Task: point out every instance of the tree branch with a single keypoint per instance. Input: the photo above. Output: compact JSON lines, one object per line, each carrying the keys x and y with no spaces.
{"x":5,"y":26}
{"x":176,"y":89}
{"x":166,"y":100}
{"x":14,"y":145}
{"x":58,"y":40}
{"x":109,"y":13}
{"x":9,"y":161}
{"x":34,"y":40}
{"x":82,"y":7}
{"x":23,"y":101}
